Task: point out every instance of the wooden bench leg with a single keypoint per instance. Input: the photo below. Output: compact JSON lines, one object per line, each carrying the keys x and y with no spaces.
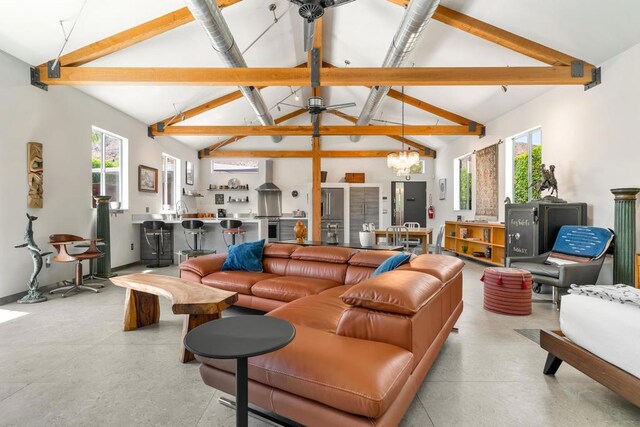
{"x":140,"y":309}
{"x":190,"y":322}
{"x":551,"y":365}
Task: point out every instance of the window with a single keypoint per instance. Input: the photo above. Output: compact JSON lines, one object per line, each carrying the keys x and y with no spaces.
{"x":524,"y":162}
{"x":170,"y":183}
{"x":463,"y":183}
{"x":108,"y":169}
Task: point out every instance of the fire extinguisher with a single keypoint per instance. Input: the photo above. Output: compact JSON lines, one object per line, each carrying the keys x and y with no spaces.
{"x":431,"y":211}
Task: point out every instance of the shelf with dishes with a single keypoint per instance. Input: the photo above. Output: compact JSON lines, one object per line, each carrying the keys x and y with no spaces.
{"x":477,"y":240}
{"x":227,"y":189}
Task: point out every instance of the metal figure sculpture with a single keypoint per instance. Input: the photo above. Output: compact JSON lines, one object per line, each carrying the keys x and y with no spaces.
{"x":547,"y":181}
{"x":36,"y":255}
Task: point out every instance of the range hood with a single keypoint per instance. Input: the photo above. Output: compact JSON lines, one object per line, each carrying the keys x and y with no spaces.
{"x":268,"y":185}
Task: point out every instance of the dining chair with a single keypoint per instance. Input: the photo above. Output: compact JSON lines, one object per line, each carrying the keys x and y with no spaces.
{"x":398,"y":235}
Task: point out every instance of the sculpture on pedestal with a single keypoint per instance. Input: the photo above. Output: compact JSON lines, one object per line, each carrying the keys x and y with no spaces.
{"x":36,"y":255}
{"x":549,"y":182}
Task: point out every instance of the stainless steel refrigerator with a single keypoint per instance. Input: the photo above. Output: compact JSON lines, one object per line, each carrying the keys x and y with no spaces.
{"x":332,"y":210}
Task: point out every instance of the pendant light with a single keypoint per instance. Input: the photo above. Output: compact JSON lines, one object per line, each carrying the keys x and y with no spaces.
{"x":402,"y":161}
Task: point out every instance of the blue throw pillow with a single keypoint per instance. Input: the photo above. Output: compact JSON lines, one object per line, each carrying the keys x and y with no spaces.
{"x":391,"y":264}
{"x":245,"y":257}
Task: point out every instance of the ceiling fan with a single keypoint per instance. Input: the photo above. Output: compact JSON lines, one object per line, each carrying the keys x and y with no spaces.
{"x":315,"y":106}
{"x":311,"y":10}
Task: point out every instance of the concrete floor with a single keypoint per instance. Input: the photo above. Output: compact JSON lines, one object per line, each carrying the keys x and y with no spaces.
{"x":67,"y":362}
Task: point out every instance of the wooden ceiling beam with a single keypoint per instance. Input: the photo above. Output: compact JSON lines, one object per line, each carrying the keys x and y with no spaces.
{"x":497,"y":35}
{"x":308,"y":130}
{"x":233,"y":139}
{"x":442,"y":76}
{"x":430,"y":108}
{"x":132,"y":36}
{"x":425,"y":106}
{"x":298,"y":154}
{"x":424,"y":151}
{"x":207,"y":106}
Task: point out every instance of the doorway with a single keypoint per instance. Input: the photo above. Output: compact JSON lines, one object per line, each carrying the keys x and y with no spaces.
{"x":409,"y":202}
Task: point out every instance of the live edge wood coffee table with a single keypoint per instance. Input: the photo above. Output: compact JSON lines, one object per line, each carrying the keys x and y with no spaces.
{"x":198,"y":302}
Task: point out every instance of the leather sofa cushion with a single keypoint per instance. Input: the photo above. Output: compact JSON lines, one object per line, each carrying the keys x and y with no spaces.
{"x":371,"y":325}
{"x":279,"y":250}
{"x":357,"y":376}
{"x":324,"y":254}
{"x":335,"y":292}
{"x":371,"y":259}
{"x":290,"y":288}
{"x":275,"y":265}
{"x":322,"y":312}
{"x":444,"y":267}
{"x":356,"y":274}
{"x":204,"y":265}
{"x":402,"y":292}
{"x":317,"y":270}
{"x":235,"y":281}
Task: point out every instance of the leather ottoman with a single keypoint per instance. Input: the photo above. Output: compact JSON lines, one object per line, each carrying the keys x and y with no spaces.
{"x":507,"y":291}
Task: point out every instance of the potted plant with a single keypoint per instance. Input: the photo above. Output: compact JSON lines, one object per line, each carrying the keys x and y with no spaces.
{"x":465,"y":249}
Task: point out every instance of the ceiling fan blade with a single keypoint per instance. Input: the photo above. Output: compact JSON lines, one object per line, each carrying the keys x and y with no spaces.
{"x":336,"y":3}
{"x":338,"y":106}
{"x":309,"y":34}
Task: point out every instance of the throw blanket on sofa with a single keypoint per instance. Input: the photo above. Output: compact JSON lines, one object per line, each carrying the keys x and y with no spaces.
{"x":618,"y":293}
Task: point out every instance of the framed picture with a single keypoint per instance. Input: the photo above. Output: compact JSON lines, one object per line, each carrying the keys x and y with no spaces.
{"x":147,"y":179}
{"x":442,"y":188}
{"x":189,"y":173}
{"x":219,"y":199}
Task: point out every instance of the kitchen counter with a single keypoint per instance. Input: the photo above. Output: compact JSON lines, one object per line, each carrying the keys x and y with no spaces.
{"x":292,"y":218}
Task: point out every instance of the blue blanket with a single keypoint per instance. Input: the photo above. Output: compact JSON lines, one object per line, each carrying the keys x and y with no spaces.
{"x":582,"y":241}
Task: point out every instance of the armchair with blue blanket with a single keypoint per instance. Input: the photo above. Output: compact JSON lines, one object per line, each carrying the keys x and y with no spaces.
{"x":576,"y":258}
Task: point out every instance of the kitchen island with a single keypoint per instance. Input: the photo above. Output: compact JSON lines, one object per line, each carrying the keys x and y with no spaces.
{"x":255,"y":229}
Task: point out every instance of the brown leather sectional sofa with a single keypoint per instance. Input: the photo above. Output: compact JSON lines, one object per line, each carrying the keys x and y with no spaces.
{"x":363,"y":345}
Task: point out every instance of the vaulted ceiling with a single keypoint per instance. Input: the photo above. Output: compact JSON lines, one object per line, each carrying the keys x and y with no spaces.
{"x":359,"y":32}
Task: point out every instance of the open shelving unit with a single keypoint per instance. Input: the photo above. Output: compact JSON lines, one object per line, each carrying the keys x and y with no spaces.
{"x":480,"y":235}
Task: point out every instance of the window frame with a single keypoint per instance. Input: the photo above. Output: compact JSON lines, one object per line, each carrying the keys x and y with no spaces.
{"x":510,"y":159}
{"x":457,"y":165}
{"x":176,"y":183}
{"x":122,"y":169}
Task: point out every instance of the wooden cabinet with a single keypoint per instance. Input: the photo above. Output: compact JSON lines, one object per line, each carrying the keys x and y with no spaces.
{"x":465,"y":238}
{"x":364,"y":208}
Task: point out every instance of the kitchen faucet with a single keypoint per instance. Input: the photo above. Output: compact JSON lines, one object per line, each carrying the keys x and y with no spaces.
{"x":181,"y":208}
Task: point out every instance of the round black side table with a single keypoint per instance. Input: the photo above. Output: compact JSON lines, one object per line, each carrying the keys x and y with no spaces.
{"x":239,"y":338}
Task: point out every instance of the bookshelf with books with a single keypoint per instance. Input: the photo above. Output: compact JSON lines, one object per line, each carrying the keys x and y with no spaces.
{"x":483,"y":241}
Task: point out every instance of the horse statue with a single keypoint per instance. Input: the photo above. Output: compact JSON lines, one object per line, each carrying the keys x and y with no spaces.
{"x":547,"y":181}
{"x":36,"y":255}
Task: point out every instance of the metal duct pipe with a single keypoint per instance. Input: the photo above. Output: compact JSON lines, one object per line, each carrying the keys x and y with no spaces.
{"x":208,"y":15}
{"x":415,"y":19}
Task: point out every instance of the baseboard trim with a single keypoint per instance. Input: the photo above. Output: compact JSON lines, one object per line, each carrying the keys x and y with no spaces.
{"x":46,"y":288}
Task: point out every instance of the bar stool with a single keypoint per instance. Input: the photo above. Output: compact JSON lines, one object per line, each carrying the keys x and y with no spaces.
{"x":156,"y":230}
{"x":196,"y":229}
{"x":232,"y":227}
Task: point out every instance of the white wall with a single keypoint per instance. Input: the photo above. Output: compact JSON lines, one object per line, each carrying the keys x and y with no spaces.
{"x":591,"y":137}
{"x":295,"y":174}
{"x":61,"y":120}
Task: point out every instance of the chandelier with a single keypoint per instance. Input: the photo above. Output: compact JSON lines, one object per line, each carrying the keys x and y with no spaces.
{"x":402,"y":161}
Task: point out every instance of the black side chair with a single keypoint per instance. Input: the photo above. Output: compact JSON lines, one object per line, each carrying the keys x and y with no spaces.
{"x":232,"y":227}
{"x":157,"y":231}
{"x":561,"y":277}
{"x":195,"y":228}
